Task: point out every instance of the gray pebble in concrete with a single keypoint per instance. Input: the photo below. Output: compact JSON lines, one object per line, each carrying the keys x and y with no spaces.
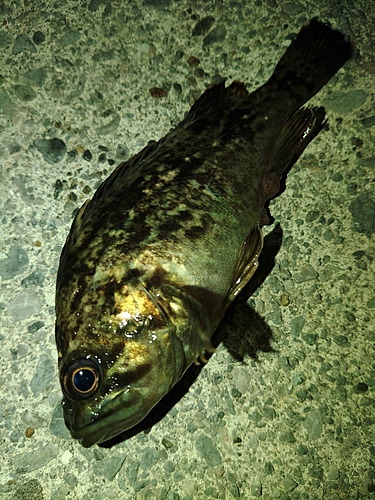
{"x":344,"y":103}
{"x":362,"y":209}
{"x":53,"y":150}
{"x":36,"y":278}
{"x":25,"y":93}
{"x":217,"y":35}
{"x":23,"y":43}
{"x":43,"y":376}
{"x":36,"y":459}
{"x":207,"y":450}
{"x":314,"y":424}
{"x":307,"y":273}
{"x":203,"y":26}
{"x":23,"y":305}
{"x":16,"y":262}
{"x":109,"y":467}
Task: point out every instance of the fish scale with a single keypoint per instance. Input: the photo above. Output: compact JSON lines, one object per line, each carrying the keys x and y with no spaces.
{"x":155,"y":258}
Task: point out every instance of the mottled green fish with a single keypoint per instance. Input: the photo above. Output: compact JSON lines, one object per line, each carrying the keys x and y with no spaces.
{"x":153,"y":261}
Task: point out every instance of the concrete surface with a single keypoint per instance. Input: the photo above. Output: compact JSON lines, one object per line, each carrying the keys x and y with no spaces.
{"x":75,"y":101}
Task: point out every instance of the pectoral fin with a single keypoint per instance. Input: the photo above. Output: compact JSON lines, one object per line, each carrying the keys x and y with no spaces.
{"x":199,"y":334}
{"x":247,"y":264}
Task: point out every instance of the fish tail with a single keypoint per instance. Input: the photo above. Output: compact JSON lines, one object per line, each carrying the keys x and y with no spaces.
{"x":315,"y":55}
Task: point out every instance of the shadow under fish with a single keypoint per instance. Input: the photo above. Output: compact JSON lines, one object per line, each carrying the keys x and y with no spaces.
{"x":154,"y":260}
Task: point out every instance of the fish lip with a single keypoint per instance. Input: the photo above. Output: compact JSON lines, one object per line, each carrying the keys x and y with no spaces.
{"x":110,"y":421}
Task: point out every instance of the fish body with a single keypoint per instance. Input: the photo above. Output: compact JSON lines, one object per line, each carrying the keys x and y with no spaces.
{"x":155,"y":258}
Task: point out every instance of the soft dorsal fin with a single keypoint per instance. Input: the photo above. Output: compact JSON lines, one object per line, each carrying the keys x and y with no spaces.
{"x":298,"y":131}
{"x":214,"y":100}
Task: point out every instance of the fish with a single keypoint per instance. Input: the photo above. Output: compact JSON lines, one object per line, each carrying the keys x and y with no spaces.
{"x":155,"y":258}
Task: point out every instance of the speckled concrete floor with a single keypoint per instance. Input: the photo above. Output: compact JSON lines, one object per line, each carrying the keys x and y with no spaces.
{"x":75,"y":101}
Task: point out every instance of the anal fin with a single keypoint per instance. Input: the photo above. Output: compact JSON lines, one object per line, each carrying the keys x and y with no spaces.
{"x":247,"y":264}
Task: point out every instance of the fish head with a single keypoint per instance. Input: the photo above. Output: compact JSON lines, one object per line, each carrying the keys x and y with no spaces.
{"x":116,"y":365}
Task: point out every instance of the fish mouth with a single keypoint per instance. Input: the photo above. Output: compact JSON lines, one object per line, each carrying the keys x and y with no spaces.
{"x":124,"y":411}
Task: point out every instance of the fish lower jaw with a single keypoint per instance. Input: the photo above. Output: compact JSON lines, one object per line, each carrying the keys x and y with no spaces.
{"x":121,"y":413}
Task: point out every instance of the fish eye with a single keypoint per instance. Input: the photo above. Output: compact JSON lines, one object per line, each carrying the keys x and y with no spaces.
{"x":82,"y":378}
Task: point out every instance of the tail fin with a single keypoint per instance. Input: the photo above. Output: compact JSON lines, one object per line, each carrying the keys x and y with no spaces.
{"x":315,"y":55}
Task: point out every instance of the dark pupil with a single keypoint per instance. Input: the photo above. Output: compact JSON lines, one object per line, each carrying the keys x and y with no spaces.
{"x":83,"y":380}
